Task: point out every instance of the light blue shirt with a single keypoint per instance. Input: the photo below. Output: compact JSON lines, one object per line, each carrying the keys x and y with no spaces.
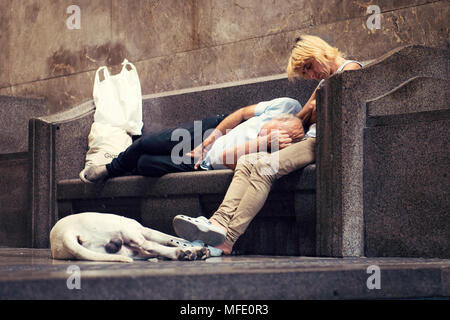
{"x":248,"y":130}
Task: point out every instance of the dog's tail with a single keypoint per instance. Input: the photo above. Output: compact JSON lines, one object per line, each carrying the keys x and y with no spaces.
{"x":70,"y":242}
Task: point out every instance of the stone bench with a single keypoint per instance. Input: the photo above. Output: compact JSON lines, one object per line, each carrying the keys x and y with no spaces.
{"x":60,"y":144}
{"x":353,"y":202}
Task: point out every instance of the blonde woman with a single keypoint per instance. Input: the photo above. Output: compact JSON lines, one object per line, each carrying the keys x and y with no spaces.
{"x":311,"y":58}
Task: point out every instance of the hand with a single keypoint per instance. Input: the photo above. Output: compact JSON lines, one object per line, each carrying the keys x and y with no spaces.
{"x":280,"y":137}
{"x":198,"y":154}
{"x":283,"y":139}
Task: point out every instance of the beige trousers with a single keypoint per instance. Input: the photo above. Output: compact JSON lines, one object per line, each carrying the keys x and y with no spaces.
{"x":252,"y":181}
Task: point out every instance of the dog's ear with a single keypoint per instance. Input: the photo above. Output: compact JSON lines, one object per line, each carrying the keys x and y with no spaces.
{"x":70,"y":242}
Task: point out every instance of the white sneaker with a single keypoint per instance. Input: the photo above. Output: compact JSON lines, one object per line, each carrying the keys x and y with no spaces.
{"x":92,"y":174}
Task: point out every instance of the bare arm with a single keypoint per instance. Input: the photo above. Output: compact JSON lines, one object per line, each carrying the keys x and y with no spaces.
{"x":308,"y":112}
{"x":228,"y":123}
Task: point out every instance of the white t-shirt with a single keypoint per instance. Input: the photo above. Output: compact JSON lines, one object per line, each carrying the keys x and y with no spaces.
{"x":248,"y":130}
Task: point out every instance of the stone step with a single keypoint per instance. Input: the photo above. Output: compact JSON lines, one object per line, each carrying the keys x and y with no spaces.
{"x":32,"y":274}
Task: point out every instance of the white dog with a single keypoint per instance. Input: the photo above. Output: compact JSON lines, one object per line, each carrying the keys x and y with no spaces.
{"x":109,"y":237}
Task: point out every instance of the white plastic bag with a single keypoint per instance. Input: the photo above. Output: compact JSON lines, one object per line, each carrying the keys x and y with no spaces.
{"x":118,"y":114}
{"x":118,"y":99}
{"x":105,"y":144}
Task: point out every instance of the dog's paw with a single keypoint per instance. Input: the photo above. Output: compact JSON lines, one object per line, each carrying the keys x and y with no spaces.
{"x":193,"y":253}
{"x":204,"y":253}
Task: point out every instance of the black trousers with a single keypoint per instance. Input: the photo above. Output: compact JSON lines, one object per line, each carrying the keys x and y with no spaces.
{"x":159,"y":153}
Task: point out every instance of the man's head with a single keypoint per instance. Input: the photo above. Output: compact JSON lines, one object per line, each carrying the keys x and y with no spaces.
{"x":286,"y":122}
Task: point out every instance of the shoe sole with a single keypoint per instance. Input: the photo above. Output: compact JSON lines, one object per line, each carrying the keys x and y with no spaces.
{"x":192,"y":229}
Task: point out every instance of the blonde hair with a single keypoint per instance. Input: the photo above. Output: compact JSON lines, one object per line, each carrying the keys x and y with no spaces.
{"x":309,"y":47}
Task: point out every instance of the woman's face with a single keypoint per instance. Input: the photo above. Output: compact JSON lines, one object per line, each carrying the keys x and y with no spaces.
{"x":312,"y":69}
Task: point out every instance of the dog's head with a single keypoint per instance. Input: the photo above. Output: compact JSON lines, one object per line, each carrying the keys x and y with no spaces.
{"x":114,"y":245}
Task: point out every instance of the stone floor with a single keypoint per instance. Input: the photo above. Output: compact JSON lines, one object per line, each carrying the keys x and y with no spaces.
{"x":32,"y":274}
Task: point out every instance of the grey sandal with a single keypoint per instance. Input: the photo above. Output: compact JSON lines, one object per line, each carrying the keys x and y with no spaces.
{"x":199,"y":228}
{"x":181,"y":244}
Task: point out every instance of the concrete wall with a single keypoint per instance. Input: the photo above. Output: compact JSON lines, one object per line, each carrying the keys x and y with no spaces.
{"x":179,"y":44}
{"x":15,"y":175}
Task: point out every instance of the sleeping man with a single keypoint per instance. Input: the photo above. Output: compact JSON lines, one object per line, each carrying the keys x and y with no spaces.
{"x":267,"y":126}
